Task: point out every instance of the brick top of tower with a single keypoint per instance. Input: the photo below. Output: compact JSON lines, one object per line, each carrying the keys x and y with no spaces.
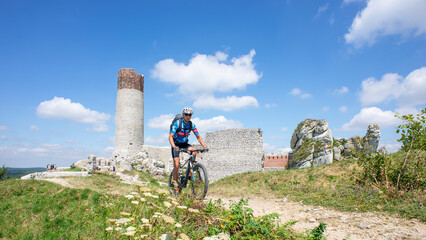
{"x":128,"y":78}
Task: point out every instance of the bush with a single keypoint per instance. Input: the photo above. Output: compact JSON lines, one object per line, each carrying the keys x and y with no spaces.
{"x":3,"y":172}
{"x":404,"y":171}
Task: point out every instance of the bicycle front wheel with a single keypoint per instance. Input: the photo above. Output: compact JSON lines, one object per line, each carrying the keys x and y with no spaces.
{"x":199,"y":181}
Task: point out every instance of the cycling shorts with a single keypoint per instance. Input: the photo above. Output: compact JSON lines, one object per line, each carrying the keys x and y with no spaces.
{"x":175,"y":154}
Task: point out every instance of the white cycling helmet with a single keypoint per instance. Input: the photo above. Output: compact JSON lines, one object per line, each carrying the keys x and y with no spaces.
{"x":187,"y":110}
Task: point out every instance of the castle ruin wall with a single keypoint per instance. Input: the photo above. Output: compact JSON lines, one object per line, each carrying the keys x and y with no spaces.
{"x":233,"y":151}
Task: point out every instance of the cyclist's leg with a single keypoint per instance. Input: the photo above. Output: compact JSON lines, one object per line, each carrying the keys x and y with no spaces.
{"x":176,"y":162}
{"x":175,"y":173}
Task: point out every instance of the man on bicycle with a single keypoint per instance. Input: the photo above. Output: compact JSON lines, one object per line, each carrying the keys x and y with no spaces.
{"x":178,"y":138}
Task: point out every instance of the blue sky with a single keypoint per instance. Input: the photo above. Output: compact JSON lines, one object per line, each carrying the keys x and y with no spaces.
{"x":251,"y":64}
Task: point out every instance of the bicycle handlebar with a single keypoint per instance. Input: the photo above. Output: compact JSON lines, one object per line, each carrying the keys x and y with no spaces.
{"x":194,"y":150}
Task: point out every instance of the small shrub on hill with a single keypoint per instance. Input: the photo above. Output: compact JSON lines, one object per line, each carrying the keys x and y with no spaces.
{"x":402,"y":172}
{"x":3,"y":172}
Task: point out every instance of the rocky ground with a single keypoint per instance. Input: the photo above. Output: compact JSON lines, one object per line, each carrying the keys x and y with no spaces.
{"x":340,"y":225}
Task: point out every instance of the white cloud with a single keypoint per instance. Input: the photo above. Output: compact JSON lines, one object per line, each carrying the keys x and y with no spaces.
{"x":60,"y":108}
{"x":161,"y":122}
{"x":34,"y":128}
{"x":3,"y":128}
{"x":325,"y":109}
{"x":351,"y":1}
{"x":270,"y":105}
{"x":226,"y":104}
{"x":391,"y":147}
{"x":414,"y":86}
{"x":216,"y":123}
{"x":374,"y":91}
{"x":343,"y":109}
{"x":161,"y":140}
{"x":368,"y":116}
{"x":321,"y":10}
{"x":284,"y":129}
{"x":340,"y":91}
{"x":3,"y":137}
{"x":298,"y":92}
{"x":109,"y":149}
{"x":408,"y":92}
{"x":207,"y":74}
{"x":387,"y":17}
{"x":273,"y":149}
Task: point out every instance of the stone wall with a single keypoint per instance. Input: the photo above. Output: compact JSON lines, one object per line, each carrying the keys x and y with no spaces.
{"x":233,"y":151}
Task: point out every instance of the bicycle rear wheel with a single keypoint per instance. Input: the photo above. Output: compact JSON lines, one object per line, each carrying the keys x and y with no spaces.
{"x":199,"y":181}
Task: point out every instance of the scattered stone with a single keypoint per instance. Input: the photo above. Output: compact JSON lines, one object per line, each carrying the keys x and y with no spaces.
{"x":363,"y":226}
{"x":182,"y":207}
{"x":135,"y":202}
{"x":178,"y":225}
{"x":144,"y":220}
{"x":109,"y":229}
{"x":167,"y":204}
{"x":144,"y":189}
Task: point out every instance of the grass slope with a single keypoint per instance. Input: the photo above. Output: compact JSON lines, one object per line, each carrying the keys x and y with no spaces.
{"x":332,"y":186}
{"x":32,"y":209}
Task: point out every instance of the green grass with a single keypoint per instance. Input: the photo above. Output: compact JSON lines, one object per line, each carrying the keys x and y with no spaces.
{"x":332,"y":186}
{"x":32,"y":209}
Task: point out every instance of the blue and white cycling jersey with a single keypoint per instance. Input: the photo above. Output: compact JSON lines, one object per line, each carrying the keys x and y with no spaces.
{"x":182,"y":135}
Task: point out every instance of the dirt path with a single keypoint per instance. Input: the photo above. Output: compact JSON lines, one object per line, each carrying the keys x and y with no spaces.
{"x":340,"y":225}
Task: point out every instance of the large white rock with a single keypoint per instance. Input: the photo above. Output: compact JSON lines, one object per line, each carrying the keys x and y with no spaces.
{"x":312,"y":144}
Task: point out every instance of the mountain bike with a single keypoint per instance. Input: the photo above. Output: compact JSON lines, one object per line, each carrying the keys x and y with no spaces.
{"x":195,"y":172}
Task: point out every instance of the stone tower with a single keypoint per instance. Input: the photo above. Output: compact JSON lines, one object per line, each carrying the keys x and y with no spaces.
{"x":129,"y":116}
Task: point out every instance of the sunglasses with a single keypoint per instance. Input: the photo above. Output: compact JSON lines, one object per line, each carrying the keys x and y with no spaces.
{"x":186,"y":114}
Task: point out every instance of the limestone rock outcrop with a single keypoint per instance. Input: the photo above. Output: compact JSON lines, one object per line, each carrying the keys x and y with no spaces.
{"x":312,"y":144}
{"x":372,"y":138}
{"x":348,"y":146}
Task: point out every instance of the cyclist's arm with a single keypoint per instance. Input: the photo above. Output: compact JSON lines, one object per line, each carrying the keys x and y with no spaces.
{"x":172,"y":143}
{"x":201,"y":141}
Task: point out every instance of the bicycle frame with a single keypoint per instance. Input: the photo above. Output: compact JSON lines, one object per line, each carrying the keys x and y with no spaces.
{"x":190,"y":162}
